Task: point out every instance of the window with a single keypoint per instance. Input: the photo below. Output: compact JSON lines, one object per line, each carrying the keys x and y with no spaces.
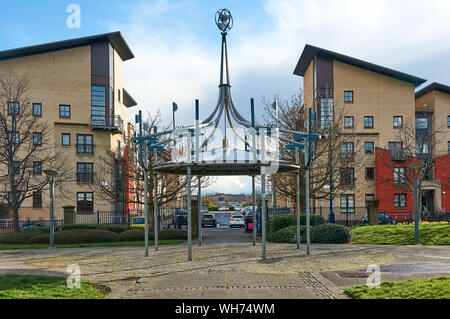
{"x":370,"y":173}
{"x":118,"y":95}
{"x":326,"y":113}
{"x":400,"y":175}
{"x":347,"y":176}
{"x":398,"y":121}
{"x":85,"y":202}
{"x":85,"y":172}
{"x":37,"y":109}
{"x":348,"y":96}
{"x":65,"y":139}
{"x":16,"y":167}
{"x":448,"y":121}
{"x":37,"y":168}
{"x":348,"y":122}
{"x":14,"y":137}
{"x":347,"y":203}
{"x":64,"y":111}
{"x":400,"y":200}
{"x":347,"y":150}
{"x":448,"y":146}
{"x":368,"y":121}
{"x":37,"y":138}
{"x":395,"y":146}
{"x":369,"y":147}
{"x":85,"y":144}
{"x":422,"y":148}
{"x":421,"y":123}
{"x":13,"y":108}
{"x":98,"y":105}
{"x":37,"y":200}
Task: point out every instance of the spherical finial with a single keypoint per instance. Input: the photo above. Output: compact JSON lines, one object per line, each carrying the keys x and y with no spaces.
{"x":224,"y":20}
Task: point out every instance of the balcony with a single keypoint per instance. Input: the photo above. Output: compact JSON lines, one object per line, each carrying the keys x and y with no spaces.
{"x":108,"y":123}
{"x":85,"y":178}
{"x":398,"y":156}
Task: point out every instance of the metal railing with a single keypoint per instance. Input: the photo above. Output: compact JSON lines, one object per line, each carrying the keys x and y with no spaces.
{"x":7,"y":225}
{"x":85,"y":178}
{"x":107,"y":122}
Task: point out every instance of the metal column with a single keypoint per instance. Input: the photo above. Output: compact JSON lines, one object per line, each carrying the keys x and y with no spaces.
{"x":199,"y":212}
{"x":146,"y":196}
{"x":155,"y":197}
{"x":189,"y":217}
{"x":274,"y":194}
{"x":254,"y":211}
{"x":297,"y":190}
{"x":263,"y":215}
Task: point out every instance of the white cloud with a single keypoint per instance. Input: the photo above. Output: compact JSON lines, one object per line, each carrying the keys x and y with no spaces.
{"x":174,"y":63}
{"x":231,"y":185}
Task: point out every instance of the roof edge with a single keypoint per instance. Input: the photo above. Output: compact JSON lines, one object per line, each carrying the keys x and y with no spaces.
{"x":435,"y":86}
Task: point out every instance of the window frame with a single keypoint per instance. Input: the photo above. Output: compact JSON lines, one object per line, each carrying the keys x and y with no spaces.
{"x":347,"y":176}
{"x":62,"y":139}
{"x":347,"y":153}
{"x":367,"y":176}
{"x":85,"y":200}
{"x":85,"y":175}
{"x":398,"y":200}
{"x":396,"y":122}
{"x":352,"y":95}
{"x":352,"y":120}
{"x":38,"y":173}
{"x":40,"y":138}
{"x":372,"y":122}
{"x":70,"y":111}
{"x":366,"y":149}
{"x":347,"y":209}
{"x":400,"y":175}
{"x":40,"y":110}
{"x":84,"y":144}
{"x":37,"y":200}
{"x":17,"y":112}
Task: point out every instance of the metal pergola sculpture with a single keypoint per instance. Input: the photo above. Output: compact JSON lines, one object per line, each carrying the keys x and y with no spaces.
{"x":248,"y":149}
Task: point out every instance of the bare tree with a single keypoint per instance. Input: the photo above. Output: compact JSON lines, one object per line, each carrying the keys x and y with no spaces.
{"x":115,"y":164}
{"x":26,"y":147}
{"x":335,"y":155}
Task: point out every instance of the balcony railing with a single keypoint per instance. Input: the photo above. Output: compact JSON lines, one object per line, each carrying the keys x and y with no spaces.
{"x":112,"y":123}
{"x":85,"y":178}
{"x":398,"y":156}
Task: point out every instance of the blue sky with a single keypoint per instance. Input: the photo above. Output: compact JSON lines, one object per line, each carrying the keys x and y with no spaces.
{"x":177,"y":44}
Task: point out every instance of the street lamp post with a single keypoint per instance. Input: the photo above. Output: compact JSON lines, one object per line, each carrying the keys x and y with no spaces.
{"x":51,"y":174}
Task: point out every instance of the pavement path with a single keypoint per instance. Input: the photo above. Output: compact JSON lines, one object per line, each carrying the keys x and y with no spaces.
{"x":222,"y":270}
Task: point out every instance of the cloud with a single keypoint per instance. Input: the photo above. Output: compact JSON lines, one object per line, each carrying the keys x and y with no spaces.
{"x":177,"y":60}
{"x":231,"y":185}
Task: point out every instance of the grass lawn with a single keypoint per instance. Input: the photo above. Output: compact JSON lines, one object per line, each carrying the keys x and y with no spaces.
{"x":43,"y":287}
{"x":430,"y":234}
{"x":113,"y":244}
{"x":435,"y":288}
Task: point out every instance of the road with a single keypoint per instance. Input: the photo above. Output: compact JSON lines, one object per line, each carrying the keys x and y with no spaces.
{"x":223,"y":233}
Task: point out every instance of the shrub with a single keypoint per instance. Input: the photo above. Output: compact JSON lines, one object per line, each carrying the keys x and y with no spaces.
{"x":139,"y":235}
{"x":173,"y":234}
{"x":282,"y":221}
{"x":20,"y":238}
{"x":331,"y":233}
{"x":80,"y":236}
{"x":112,"y":228}
{"x":287,"y":235}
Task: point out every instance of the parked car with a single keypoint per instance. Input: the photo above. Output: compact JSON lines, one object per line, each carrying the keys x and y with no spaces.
{"x":204,"y":210}
{"x":383,"y":219}
{"x":138,"y":222}
{"x":209,"y":220}
{"x":247,"y":209}
{"x":223,"y":208}
{"x":237,"y":220}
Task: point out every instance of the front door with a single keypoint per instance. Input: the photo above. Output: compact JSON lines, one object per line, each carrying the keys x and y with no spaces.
{"x":428,"y":201}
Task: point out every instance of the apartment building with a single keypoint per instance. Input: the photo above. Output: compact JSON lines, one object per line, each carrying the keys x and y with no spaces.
{"x":76,"y":87}
{"x":377,"y":102}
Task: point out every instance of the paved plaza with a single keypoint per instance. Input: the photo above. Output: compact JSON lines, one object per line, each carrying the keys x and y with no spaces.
{"x":224,"y":270}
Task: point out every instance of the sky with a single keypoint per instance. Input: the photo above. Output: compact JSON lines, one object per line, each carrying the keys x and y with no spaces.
{"x":177,"y":45}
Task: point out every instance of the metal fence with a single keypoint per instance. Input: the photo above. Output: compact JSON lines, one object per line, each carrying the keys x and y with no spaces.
{"x":166,"y":217}
{"x":7,"y":225}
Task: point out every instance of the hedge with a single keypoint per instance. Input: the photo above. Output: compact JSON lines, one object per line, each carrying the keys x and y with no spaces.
{"x":139,"y":235}
{"x":326,"y":233}
{"x":282,"y":221}
{"x":79,"y":236}
{"x":23,"y":237}
{"x":112,"y":228}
